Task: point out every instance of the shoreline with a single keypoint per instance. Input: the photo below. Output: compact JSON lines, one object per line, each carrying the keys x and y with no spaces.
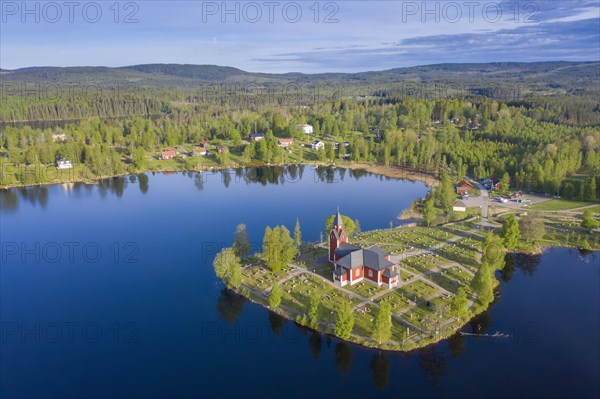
{"x":428,"y":340}
{"x":387,"y":171}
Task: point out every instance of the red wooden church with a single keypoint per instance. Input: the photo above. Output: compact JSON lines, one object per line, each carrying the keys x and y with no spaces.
{"x":353,"y":264}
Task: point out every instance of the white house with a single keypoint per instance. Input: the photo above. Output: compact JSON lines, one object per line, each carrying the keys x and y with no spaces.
{"x":306,"y":129}
{"x":59,"y":137}
{"x":317,"y":145}
{"x":63,"y":164}
{"x":459,"y":206}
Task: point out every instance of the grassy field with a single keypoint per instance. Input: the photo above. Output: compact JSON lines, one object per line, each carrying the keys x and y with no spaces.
{"x":559,"y":205}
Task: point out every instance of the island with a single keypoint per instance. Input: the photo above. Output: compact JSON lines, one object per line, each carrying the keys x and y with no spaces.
{"x":395,"y":289}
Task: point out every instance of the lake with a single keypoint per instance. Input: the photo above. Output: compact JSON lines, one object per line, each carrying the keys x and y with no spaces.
{"x":108,"y":290}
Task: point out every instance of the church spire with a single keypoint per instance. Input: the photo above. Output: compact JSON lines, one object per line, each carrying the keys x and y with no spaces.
{"x":338,"y":219}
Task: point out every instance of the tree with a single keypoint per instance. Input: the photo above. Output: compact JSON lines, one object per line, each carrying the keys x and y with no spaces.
{"x":279,"y":248}
{"x":344,"y":322}
{"x":139,"y":159}
{"x":349,"y":224}
{"x":532,"y":227}
{"x":429,"y":210}
{"x":493,"y":251}
{"x":588,"y":221}
{"x":297,"y":234}
{"x":314,"y":310}
{"x":275,"y":295}
{"x":241,"y":243}
{"x":329,"y":151}
{"x":505,"y":182}
{"x":445,"y":193}
{"x":227,"y":267}
{"x":235,"y":277}
{"x":460,"y":304}
{"x":510,"y":232}
{"x":590,"y":189}
{"x":483,"y":283}
{"x":382,"y":328}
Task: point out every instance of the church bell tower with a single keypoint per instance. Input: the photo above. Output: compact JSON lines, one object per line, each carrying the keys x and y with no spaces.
{"x":337,"y":235}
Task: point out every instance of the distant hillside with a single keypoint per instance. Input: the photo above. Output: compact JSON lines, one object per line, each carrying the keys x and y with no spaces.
{"x":570,"y":77}
{"x":187,"y":71}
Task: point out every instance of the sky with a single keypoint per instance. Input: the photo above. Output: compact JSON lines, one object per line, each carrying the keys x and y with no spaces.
{"x":296,"y":36}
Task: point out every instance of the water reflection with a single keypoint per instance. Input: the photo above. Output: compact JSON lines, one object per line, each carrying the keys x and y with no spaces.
{"x":456,"y":345}
{"x":276,"y":322}
{"x":230,"y":306}
{"x":10,"y":198}
{"x":433,"y":362}
{"x":507,"y":271}
{"x":315,"y":341}
{"x":143,"y":180}
{"x":343,"y":357}
{"x":279,"y":175}
{"x":380,"y":366}
{"x":528,"y":264}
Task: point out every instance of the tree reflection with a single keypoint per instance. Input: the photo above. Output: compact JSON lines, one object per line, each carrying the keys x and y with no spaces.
{"x":143,"y":180}
{"x":9,"y":202}
{"x":433,"y":363}
{"x":315,"y":342}
{"x":230,"y":306}
{"x":343,"y":357}
{"x":481,"y":323}
{"x":456,"y":345}
{"x":507,"y":271}
{"x":276,"y":321}
{"x":380,"y":365}
{"x":199,"y":181}
{"x":528,"y":264}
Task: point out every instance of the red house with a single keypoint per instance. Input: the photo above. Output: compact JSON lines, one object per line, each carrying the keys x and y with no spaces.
{"x":168,"y":153}
{"x":463,"y":187}
{"x":353,"y":264}
{"x":285,"y":142}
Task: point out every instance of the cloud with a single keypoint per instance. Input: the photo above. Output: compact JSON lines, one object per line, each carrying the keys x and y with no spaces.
{"x":371,"y":35}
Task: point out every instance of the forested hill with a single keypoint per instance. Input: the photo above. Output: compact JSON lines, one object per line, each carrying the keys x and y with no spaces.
{"x":551,"y":77}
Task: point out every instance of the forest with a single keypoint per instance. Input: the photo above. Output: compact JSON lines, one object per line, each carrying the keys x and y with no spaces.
{"x":548,"y":144}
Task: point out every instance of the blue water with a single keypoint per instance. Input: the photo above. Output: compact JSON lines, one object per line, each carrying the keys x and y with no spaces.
{"x":135,"y":310}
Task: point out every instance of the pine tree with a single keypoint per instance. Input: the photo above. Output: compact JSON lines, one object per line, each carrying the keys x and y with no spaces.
{"x":510,"y":232}
{"x":445,"y":193}
{"x":344,"y":322}
{"x":429,"y":210}
{"x":460,"y":304}
{"x":297,"y":234}
{"x":275,"y":295}
{"x":382,"y":328}
{"x":483,"y":283}
{"x":314,"y":310}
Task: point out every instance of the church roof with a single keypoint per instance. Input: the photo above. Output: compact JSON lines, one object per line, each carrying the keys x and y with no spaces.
{"x":344,"y":249}
{"x":390,"y":272}
{"x":372,"y":257}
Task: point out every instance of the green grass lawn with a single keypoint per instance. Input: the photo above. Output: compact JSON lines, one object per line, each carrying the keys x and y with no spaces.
{"x":396,"y":299}
{"x":417,"y":291}
{"x":366,"y":289}
{"x":559,"y":205}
